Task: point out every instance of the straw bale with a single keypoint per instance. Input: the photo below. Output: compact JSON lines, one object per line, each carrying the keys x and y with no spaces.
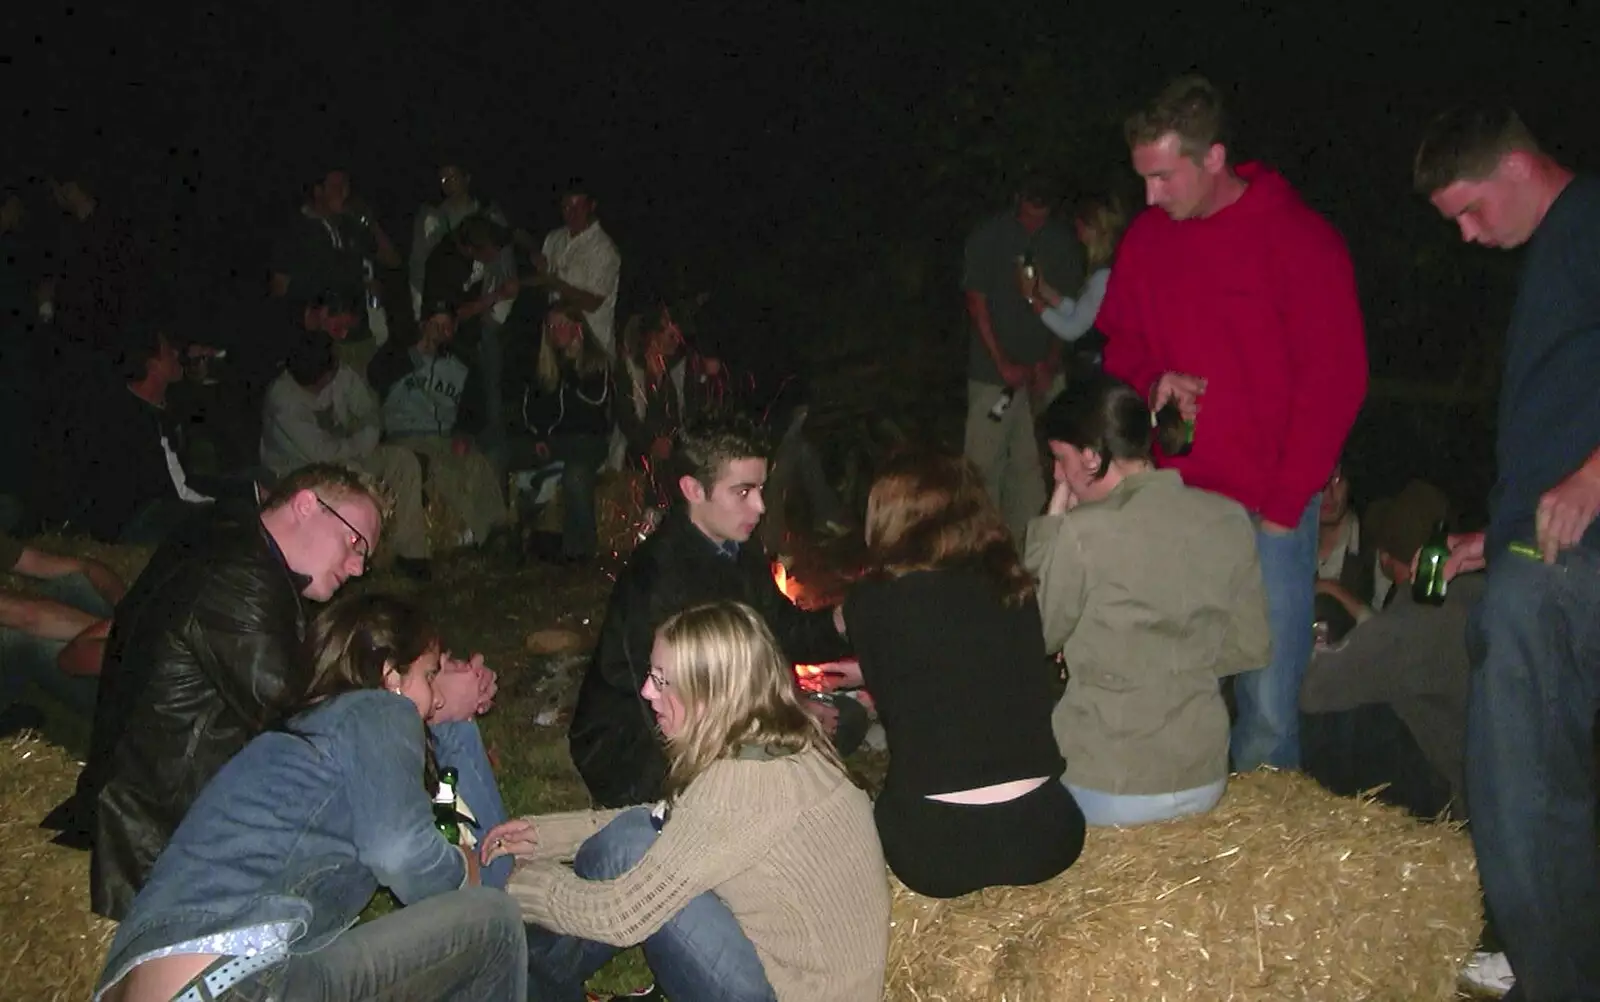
{"x":1283,"y":892}
{"x":52,"y":944}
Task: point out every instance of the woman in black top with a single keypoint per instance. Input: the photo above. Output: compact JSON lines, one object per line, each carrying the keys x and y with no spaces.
{"x":950,"y":644}
{"x":561,"y":399}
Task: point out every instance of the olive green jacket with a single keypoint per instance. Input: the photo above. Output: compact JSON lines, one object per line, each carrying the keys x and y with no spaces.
{"x":1152,"y":594}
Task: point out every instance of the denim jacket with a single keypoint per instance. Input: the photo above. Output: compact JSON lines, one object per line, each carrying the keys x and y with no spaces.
{"x":296,"y":832}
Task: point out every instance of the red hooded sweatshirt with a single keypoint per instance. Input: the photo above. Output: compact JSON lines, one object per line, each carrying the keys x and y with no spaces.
{"x":1259,"y":300}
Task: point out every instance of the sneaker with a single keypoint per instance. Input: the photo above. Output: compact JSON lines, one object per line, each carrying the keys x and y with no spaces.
{"x":1488,"y":974}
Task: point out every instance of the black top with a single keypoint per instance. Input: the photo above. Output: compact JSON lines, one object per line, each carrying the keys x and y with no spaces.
{"x":1549,"y":411}
{"x":108,"y":461}
{"x":961,"y":681}
{"x":320,"y":255}
{"x":613,"y":733}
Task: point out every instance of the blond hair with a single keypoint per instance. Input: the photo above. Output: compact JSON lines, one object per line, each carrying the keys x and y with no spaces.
{"x":736,"y":689}
{"x":585,"y":353}
{"x":1104,"y":217}
{"x":332,"y":484}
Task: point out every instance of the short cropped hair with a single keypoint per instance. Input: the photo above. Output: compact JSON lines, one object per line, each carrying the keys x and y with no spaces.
{"x":705,"y":447}
{"x":1188,"y":107}
{"x":332,"y":484}
{"x":1466,"y":144}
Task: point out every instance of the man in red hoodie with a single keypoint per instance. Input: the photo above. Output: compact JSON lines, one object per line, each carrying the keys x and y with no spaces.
{"x":1233,"y":298}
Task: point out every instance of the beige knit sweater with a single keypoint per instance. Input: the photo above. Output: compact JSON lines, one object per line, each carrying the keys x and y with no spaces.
{"x":788,"y":843}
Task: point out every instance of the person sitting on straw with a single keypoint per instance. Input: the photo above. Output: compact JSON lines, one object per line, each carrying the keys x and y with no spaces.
{"x":759,"y":877}
{"x":950,"y":645}
{"x":1152,"y":591}
{"x":259,"y":890}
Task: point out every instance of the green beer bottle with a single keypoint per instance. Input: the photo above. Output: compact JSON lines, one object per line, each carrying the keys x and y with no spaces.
{"x":445,"y":817}
{"x":1174,"y":433}
{"x":1429,"y":586}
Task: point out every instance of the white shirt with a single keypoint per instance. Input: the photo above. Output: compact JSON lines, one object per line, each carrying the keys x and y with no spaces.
{"x":588,"y":261}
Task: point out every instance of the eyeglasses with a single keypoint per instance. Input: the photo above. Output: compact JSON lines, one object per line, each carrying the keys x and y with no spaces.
{"x":657,"y":678}
{"x":358,"y":541}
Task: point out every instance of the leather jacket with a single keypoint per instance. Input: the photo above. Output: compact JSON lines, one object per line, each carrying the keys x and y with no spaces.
{"x":196,"y":664}
{"x":613,"y":733}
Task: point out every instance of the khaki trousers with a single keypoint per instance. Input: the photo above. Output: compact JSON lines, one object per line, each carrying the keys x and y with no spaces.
{"x":467,"y":486}
{"x":1006,"y":452}
{"x":397,"y":468}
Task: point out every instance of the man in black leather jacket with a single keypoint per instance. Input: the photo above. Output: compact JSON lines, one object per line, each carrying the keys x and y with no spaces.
{"x":199,"y":653}
{"x":703,"y":552}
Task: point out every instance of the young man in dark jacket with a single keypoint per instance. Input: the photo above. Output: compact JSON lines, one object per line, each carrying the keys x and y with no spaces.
{"x":703,"y":552}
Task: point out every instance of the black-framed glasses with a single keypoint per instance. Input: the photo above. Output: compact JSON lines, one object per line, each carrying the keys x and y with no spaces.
{"x":359,"y":543}
{"x":657,"y":678}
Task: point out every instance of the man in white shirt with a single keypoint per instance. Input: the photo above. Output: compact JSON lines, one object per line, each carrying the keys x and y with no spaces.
{"x":579,"y":264}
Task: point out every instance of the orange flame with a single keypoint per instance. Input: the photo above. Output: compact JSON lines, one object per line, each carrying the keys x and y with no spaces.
{"x":812,"y":678}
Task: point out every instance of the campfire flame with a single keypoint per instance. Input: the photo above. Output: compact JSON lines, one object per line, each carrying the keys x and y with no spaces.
{"x":812,"y":678}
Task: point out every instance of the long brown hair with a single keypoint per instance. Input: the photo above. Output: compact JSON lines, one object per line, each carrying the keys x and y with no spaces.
{"x":930,"y":511}
{"x":736,"y":688}
{"x":353,"y":641}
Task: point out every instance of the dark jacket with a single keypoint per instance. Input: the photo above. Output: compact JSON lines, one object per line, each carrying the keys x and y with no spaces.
{"x":613,"y":735}
{"x":113,"y":464}
{"x":579,"y":405}
{"x":194,"y":668}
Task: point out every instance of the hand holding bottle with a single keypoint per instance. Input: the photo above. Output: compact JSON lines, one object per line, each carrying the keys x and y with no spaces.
{"x":1183,"y":389}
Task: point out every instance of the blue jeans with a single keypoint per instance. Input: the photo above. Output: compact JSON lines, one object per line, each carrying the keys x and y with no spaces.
{"x":25,"y":658}
{"x":459,"y":746}
{"x":1535,"y":646}
{"x":465,"y":946}
{"x":1127,"y":809}
{"x":700,"y":954}
{"x":580,"y":457}
{"x":1267,"y":731}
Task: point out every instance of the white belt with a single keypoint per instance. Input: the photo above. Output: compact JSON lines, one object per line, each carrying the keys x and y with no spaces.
{"x":214,"y":982}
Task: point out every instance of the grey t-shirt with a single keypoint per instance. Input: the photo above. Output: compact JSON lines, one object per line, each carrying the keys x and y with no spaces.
{"x":991,"y":269}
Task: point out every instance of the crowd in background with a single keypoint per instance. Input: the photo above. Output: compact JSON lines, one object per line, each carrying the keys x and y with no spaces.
{"x":1192,"y":562}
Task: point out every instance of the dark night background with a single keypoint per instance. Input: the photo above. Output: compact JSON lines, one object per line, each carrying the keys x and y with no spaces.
{"x":816,"y":164}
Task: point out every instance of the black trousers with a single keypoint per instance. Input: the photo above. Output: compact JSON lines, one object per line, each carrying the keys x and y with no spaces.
{"x":944,"y":850}
{"x":1369,"y":746}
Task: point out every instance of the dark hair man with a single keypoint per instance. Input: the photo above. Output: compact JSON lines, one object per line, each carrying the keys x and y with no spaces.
{"x":1011,"y":350}
{"x":579,"y":263}
{"x":1535,"y":639}
{"x":1230,"y":287}
{"x":703,"y":552}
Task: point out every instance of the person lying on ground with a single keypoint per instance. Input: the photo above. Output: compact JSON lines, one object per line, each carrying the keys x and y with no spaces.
{"x":703,"y":552}
{"x":260,"y":888}
{"x":760,"y":876}
{"x":952,"y":650}
{"x":1152,"y":592}
{"x":71,"y":609}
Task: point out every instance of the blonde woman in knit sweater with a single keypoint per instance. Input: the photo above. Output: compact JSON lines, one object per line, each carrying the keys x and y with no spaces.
{"x":760,"y":877}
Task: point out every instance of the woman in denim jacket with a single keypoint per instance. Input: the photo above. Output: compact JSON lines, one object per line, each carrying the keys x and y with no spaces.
{"x":258,"y":892}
